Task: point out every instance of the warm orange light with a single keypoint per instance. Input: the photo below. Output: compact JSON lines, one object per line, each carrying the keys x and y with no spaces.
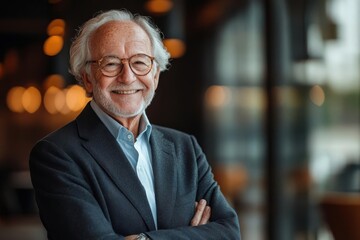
{"x":159,"y":6}
{"x":55,"y":80}
{"x":317,"y":95}
{"x":53,"y":45}
{"x":175,"y":47}
{"x":76,"y":98}
{"x":31,"y":99}
{"x":59,"y":100}
{"x":13,"y":99}
{"x":56,"y":31}
{"x":56,"y":27}
{"x":49,"y":99}
{"x":217,"y":96}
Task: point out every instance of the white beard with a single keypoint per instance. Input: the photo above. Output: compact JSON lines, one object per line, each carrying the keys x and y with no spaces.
{"x":109,"y":106}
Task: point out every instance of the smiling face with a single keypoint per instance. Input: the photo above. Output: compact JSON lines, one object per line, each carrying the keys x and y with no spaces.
{"x":126,"y":95}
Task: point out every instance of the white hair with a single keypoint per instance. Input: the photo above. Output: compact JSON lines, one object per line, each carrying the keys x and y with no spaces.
{"x":80,"y":47}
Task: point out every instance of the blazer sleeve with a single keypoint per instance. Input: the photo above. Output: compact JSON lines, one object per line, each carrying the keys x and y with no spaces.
{"x":224,"y":223}
{"x":67,"y":206}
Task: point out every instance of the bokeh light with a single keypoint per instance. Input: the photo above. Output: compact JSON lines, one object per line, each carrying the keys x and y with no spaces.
{"x":216,"y":96}
{"x":317,"y":95}
{"x":75,"y":98}
{"x":56,"y":27}
{"x":31,"y":99}
{"x":175,"y":47}
{"x":49,"y":99}
{"x":55,"y":80}
{"x":59,"y":101}
{"x":53,"y":45}
{"x":13,"y":99}
{"x":158,"y":6}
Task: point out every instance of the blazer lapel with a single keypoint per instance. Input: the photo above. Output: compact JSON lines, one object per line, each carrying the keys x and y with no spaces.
{"x":165,"y":177}
{"x":105,"y":150}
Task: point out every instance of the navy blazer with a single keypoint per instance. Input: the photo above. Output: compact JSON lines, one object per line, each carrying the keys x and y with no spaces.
{"x":85,"y":187}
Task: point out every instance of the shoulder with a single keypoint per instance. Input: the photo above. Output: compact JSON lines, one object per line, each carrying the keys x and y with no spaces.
{"x":70,"y":132}
{"x":169,"y":131}
{"x":66,"y":134}
{"x":171,"y":134}
{"x":180,"y":140}
{"x":66,"y":130}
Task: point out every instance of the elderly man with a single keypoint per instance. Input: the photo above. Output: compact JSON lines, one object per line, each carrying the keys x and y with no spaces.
{"x":110,"y":174}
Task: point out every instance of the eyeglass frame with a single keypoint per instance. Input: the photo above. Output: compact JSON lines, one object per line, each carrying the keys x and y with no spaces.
{"x":122,"y":62}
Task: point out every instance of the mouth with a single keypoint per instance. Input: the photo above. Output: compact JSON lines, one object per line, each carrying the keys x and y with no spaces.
{"x":125,"y":92}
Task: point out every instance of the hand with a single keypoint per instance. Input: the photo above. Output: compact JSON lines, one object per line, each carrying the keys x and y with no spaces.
{"x":202,"y":213}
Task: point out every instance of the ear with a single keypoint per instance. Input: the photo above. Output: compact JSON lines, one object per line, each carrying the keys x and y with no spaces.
{"x":156,"y":78}
{"x":88,"y":85}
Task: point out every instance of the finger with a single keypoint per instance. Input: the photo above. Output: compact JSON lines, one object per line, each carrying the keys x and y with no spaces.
{"x":198,"y":212}
{"x":205,"y":216}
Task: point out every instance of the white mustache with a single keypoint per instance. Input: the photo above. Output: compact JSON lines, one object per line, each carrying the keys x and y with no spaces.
{"x":125,"y":88}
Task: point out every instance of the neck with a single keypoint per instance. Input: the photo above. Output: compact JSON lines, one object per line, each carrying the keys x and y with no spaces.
{"x":131,"y":124}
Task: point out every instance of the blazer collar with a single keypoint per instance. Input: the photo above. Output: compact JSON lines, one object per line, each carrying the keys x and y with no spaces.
{"x":165,"y":176}
{"x":105,"y":150}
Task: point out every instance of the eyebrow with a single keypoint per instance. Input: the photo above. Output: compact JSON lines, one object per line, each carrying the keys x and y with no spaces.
{"x":112,"y":56}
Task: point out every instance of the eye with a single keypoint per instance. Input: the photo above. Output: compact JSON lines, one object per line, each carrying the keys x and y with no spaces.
{"x":110,"y":64}
{"x":139,"y":62}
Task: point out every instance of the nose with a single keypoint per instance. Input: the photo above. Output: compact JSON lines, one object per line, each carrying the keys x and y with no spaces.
{"x":126,"y":75}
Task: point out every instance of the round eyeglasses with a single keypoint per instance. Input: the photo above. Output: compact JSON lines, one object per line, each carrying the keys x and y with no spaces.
{"x":111,"y":66}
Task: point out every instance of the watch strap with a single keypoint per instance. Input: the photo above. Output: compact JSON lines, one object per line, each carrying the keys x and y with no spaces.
{"x":142,"y":236}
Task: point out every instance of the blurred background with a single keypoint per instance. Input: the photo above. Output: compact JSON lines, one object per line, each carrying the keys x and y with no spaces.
{"x":270,"y":88}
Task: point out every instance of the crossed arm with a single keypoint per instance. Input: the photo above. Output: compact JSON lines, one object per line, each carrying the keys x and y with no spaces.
{"x":201,"y":216}
{"x":67,"y":203}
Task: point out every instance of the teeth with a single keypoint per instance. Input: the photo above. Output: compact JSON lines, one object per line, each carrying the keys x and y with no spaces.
{"x":124,"y":91}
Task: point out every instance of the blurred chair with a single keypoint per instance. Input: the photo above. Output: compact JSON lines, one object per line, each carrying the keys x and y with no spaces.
{"x":341,"y":212}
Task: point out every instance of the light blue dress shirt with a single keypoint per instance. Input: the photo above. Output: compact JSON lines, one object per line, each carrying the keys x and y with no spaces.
{"x":136,"y":150}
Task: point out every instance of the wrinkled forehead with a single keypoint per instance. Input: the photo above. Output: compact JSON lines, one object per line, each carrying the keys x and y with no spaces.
{"x":119,"y":34}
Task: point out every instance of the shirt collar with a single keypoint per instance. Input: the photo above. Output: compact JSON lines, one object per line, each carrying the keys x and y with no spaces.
{"x":117,"y":130}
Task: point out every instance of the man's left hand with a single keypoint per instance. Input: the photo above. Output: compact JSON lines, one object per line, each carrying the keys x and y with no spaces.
{"x":202,"y":213}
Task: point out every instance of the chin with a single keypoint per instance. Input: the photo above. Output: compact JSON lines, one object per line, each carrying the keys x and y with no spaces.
{"x":129,"y":114}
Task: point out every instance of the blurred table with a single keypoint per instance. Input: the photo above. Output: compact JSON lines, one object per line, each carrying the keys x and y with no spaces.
{"x":341,"y":212}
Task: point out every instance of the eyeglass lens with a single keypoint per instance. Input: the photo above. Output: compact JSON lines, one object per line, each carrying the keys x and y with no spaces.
{"x":112,"y":66}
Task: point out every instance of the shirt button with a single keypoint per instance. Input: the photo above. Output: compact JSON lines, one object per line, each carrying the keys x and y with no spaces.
{"x":129,"y":137}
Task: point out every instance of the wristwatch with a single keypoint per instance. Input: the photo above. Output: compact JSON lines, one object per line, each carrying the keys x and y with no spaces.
{"x":142,"y":236}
